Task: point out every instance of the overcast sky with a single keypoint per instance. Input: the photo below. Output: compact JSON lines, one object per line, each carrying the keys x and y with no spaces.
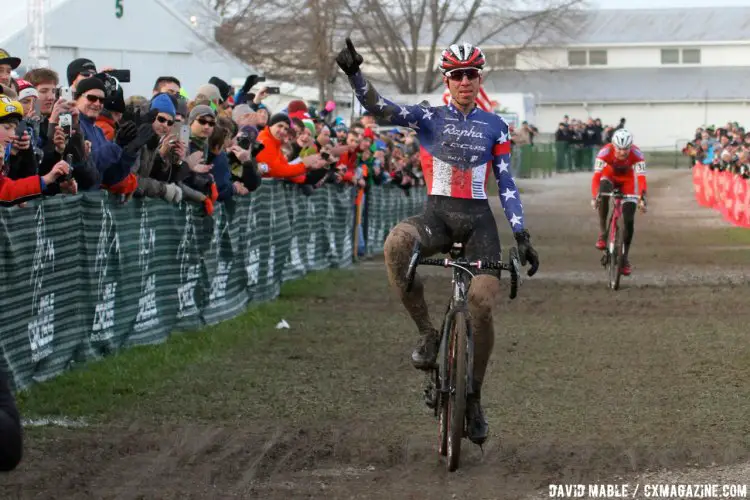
{"x":662,"y":4}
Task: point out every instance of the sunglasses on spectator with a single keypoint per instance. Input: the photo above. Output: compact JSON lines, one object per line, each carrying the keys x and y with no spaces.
{"x":169,"y":122}
{"x":87,"y":74}
{"x":203,"y":121}
{"x":93,"y":98}
{"x":458,"y":74}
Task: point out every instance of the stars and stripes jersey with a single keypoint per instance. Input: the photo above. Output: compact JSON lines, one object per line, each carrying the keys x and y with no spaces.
{"x":633,"y":167}
{"x":457,"y":151}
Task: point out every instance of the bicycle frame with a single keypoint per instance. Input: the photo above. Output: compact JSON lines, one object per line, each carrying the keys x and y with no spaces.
{"x":458,"y":302}
{"x":614,"y":214}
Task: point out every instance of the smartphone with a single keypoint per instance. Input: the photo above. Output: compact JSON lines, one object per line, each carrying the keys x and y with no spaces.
{"x":21,"y":128}
{"x":185,"y":134}
{"x":122,"y":75}
{"x":66,"y":122}
{"x":66,"y":93}
{"x":273,"y":90}
{"x":176,"y":130}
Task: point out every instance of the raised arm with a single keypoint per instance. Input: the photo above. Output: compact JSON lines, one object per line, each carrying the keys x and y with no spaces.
{"x":406,"y":116}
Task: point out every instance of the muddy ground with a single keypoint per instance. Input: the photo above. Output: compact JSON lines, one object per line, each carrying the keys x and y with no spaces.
{"x":585,"y":385}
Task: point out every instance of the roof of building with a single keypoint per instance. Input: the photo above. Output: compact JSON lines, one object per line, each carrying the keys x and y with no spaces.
{"x":604,"y":27}
{"x":624,"y":85}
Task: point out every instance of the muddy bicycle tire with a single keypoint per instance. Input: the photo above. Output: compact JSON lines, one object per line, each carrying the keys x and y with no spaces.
{"x":458,"y":376}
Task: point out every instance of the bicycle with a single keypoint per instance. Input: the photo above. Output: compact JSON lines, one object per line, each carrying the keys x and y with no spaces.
{"x":615,"y":237}
{"x":449,"y":383}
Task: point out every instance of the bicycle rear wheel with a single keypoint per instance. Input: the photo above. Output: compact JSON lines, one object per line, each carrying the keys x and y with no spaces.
{"x":457,"y":366}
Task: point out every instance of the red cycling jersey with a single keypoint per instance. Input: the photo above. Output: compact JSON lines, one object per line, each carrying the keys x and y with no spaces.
{"x":629,"y":175}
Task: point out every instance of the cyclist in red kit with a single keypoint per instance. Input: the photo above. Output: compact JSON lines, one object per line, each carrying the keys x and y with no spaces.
{"x":621,"y":165}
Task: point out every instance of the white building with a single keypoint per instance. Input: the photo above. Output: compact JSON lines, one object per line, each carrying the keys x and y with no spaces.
{"x":151,"y":38}
{"x":667,"y":71}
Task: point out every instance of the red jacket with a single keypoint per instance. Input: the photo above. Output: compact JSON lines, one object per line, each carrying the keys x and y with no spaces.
{"x":13,"y":192}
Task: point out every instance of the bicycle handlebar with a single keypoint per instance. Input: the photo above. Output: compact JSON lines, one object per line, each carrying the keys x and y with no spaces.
{"x":514,"y":267}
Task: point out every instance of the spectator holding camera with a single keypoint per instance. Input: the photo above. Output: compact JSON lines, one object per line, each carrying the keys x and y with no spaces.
{"x":113,"y":160}
{"x":17,"y":191}
{"x":241,"y":153}
{"x":160,"y":159}
{"x":23,"y":161}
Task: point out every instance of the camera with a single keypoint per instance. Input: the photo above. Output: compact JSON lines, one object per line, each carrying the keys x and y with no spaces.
{"x":112,"y":80}
{"x":243,"y":141}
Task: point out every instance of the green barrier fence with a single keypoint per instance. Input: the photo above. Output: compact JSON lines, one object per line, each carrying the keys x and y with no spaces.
{"x":85,"y":276}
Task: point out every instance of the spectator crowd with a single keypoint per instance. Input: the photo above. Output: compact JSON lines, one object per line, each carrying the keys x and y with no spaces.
{"x":724,"y":148}
{"x":578,"y":142}
{"x":81,"y":131}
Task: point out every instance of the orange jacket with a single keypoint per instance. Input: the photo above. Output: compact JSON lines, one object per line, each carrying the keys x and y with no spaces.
{"x":13,"y":192}
{"x":107,"y":125}
{"x":276,"y":162}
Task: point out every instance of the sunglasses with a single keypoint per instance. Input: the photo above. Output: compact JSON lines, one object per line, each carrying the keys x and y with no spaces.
{"x":87,"y":73}
{"x":94,"y":98}
{"x":458,"y":74}
{"x":161,"y":119}
{"x":203,"y":121}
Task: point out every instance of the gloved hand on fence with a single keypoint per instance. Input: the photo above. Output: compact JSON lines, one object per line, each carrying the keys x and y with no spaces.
{"x":173,"y":193}
{"x":348,"y":59}
{"x":526,"y":252}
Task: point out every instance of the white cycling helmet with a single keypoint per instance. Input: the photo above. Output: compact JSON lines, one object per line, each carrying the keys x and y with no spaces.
{"x":622,"y":139}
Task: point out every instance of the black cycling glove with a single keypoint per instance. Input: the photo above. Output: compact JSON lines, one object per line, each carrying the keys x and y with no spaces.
{"x":348,"y":59}
{"x":526,"y":252}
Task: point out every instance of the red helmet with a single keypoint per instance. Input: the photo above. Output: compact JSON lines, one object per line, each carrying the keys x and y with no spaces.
{"x":463,"y":55}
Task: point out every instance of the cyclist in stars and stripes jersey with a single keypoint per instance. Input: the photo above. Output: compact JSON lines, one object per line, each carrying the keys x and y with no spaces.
{"x":460,"y":145}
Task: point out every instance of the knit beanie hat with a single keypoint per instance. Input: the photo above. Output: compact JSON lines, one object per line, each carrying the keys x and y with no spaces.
{"x":164,"y":104}
{"x":26,"y":89}
{"x":223,"y":87}
{"x":87,"y":84}
{"x":297,"y":109}
{"x":239,"y":111}
{"x":310,"y":126}
{"x":279,"y":117}
{"x":200,"y":110}
{"x":210,"y":91}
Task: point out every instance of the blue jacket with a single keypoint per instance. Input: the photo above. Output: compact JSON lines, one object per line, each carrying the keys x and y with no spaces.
{"x":223,"y":177}
{"x":111,"y":161}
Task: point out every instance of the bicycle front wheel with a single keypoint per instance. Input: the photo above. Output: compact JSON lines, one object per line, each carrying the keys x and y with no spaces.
{"x":457,"y":366}
{"x":617,"y":255}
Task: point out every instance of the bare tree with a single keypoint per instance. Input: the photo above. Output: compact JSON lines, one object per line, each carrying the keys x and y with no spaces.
{"x":290,"y":41}
{"x":404,"y":37}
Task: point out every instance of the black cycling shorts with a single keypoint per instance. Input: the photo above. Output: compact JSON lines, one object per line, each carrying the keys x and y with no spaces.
{"x":447,"y":220}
